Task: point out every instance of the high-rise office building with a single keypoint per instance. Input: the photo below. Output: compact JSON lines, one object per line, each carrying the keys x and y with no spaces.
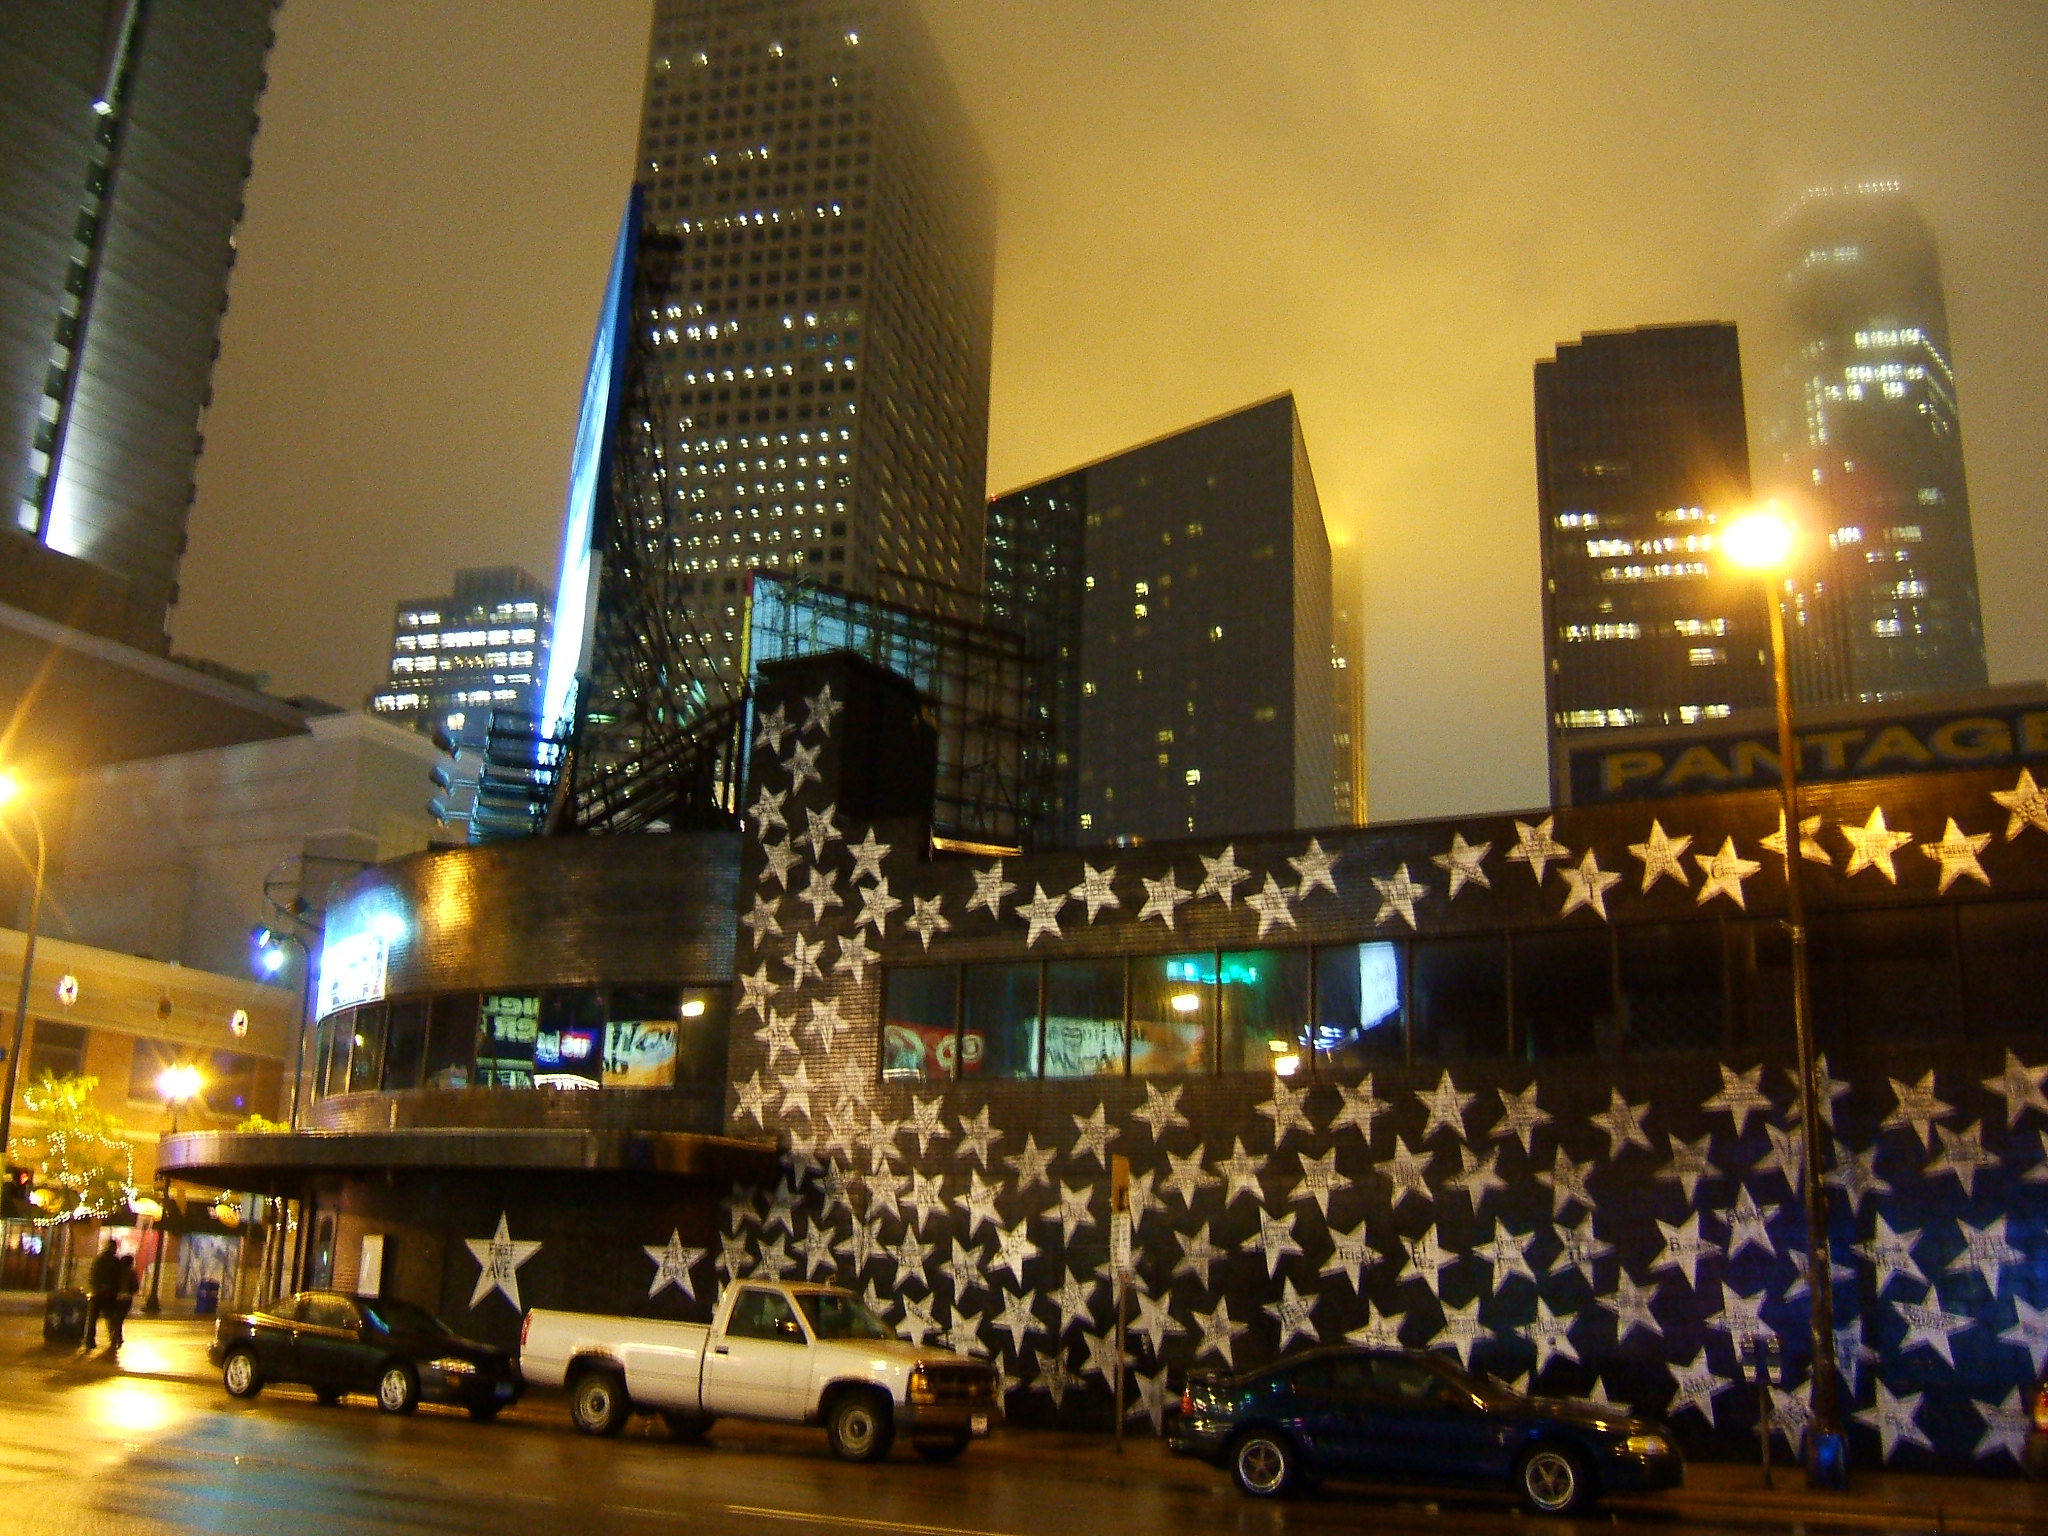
{"x":1179,"y":595}
{"x":1347,"y":676}
{"x":824,"y":326}
{"x":458,"y":657}
{"x":1862,"y":429}
{"x":128,"y":126}
{"x":1641,"y":449}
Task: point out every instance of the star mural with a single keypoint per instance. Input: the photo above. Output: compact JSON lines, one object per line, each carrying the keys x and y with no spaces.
{"x":672,"y":1265}
{"x":1660,"y":854}
{"x":498,"y":1258}
{"x":1465,"y":863}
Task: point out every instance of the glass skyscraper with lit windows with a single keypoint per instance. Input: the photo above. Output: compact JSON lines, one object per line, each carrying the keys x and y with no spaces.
{"x":127,"y":127}
{"x":822,"y":327}
{"x":1862,"y":432}
{"x":458,"y":657}
{"x":1641,"y":450}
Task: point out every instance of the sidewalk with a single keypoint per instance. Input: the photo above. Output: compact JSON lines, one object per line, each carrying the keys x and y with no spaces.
{"x":173,"y":1348}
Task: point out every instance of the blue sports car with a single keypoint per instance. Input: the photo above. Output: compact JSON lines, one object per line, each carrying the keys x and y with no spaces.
{"x":1396,"y":1415}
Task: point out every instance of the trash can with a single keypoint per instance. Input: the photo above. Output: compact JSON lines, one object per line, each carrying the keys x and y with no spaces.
{"x":64,"y":1317}
{"x":206,"y":1298}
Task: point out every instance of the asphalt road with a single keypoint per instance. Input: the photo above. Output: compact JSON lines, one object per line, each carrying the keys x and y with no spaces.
{"x":152,"y":1444}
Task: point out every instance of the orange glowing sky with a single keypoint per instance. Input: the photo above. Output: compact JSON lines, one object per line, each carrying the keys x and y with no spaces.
{"x":1392,"y":209}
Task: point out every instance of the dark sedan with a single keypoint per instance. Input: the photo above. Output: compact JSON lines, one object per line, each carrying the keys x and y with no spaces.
{"x":1390,"y":1415}
{"x":399,"y":1353}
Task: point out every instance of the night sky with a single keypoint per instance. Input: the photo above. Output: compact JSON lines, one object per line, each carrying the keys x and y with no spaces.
{"x":1391,"y":209}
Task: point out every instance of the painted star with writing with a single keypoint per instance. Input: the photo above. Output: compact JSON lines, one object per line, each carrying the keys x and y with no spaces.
{"x":1957,"y":854}
{"x":1272,"y":905}
{"x":1096,"y":889}
{"x":1872,"y":845}
{"x":1446,"y":1106}
{"x":1222,"y":875}
{"x":2026,"y":802}
{"x":672,"y":1265}
{"x":1162,"y":898}
{"x":1587,"y":886}
{"x":1465,"y":864}
{"x":1536,"y":847}
{"x":1295,"y":1314}
{"x":1220,"y":1332}
{"x":1398,"y":895}
{"x":1724,"y":871}
{"x":498,"y":1259}
{"x":1380,"y":1330}
{"x":1810,"y":848}
{"x":1661,"y":854}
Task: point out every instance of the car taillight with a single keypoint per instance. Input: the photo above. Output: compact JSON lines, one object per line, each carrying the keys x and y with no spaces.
{"x":1187,"y":1401}
{"x":2041,"y":1410}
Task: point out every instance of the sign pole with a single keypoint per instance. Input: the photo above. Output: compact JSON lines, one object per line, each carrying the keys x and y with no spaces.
{"x":1120,"y":1262}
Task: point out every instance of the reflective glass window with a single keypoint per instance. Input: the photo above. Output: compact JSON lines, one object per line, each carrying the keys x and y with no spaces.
{"x":1673,"y":987}
{"x":1262,"y":999}
{"x":1458,"y":992}
{"x":366,"y":1051}
{"x":999,"y":1027}
{"x":1360,"y":1019}
{"x":405,"y":1045}
{"x":1564,"y":992}
{"x":641,"y":1027}
{"x":507,"y":1025}
{"x":706,"y":1024}
{"x":1084,"y":1018}
{"x":451,"y":1041}
{"x":920,"y":1023}
{"x":1173,"y":1013}
{"x":568,"y":1048}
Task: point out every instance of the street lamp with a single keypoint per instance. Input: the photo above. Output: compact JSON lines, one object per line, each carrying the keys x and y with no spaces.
{"x":1762,"y":541}
{"x":12,"y":793}
{"x":179,"y":1084}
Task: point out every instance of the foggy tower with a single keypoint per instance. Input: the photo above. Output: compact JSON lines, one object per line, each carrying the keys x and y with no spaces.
{"x":1641,"y":450}
{"x":826,"y":328}
{"x":128,"y":126}
{"x":1862,"y":430}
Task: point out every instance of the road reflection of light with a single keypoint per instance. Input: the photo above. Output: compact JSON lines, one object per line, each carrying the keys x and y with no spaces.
{"x":133,"y":1407}
{"x":146,"y":1357}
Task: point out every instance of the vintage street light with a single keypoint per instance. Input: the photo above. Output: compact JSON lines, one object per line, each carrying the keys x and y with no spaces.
{"x":12,"y":793}
{"x":1761,"y":542}
{"x":179,"y":1084}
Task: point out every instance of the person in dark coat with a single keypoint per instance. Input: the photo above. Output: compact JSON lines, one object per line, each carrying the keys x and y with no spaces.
{"x":126,"y":1284}
{"x":103,"y":1284}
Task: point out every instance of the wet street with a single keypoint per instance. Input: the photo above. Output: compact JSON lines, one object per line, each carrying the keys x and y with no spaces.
{"x":152,"y":1444}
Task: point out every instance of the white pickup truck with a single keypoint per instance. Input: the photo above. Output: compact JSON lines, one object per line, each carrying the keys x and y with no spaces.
{"x":800,"y":1354}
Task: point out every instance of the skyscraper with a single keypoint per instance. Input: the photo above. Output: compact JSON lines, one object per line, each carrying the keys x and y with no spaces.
{"x":127,"y":126}
{"x":1179,"y":595}
{"x":825,"y":327}
{"x":457,"y":657}
{"x":1347,"y":676}
{"x":1862,"y":429}
{"x":1640,"y":450}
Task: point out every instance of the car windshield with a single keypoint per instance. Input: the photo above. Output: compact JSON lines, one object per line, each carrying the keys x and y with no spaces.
{"x":402,"y":1317}
{"x":1490,"y":1390}
{"x":833,"y":1316}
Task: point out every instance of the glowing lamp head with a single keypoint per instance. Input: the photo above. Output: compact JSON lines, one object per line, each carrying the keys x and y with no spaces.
{"x":10,"y":788}
{"x":271,"y":957}
{"x":178,"y":1084}
{"x":1185,"y":1002}
{"x":1758,"y":541}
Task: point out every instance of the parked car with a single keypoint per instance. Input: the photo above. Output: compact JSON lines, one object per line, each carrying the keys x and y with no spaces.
{"x":1393,"y":1415}
{"x":800,"y":1354}
{"x":335,"y":1344}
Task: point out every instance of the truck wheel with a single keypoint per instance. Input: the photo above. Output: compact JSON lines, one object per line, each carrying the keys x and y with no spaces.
{"x":942,"y":1450}
{"x":860,"y":1427}
{"x":689,"y":1428}
{"x":598,"y":1404}
{"x":239,"y":1374}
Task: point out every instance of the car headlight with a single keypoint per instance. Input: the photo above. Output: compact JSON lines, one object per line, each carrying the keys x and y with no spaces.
{"x":452,"y":1367}
{"x":1648,"y":1445}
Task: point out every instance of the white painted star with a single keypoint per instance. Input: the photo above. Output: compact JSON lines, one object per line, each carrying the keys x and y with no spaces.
{"x":1895,"y":1418}
{"x":875,"y":906}
{"x":1013,"y":1249}
{"x":1075,"y":1299}
{"x":1154,"y":1321}
{"x":1623,"y":1124}
{"x":926,"y":919}
{"x":1102,"y":1355}
{"x":1684,"y":1248}
{"x":1535,"y":847}
{"x":796,"y":1090}
{"x":1461,"y":1330}
{"x":1219,"y":1331}
{"x":2021,"y":1087}
{"x":1092,"y":1135}
{"x":1630,"y":1304}
{"x":1578,"y":1248}
{"x":766,"y":811}
{"x":1041,"y":915}
{"x":1855,"y":1174}
{"x":1872,"y":845}
{"x":979,"y":1203}
{"x":1071,"y":1211}
{"x":1054,"y":1378}
{"x":1478,"y":1178}
{"x":1661,"y":855}
{"x":1222,"y":875}
{"x":1241,"y":1172}
{"x":1162,"y":897}
{"x":918,"y":1323}
{"x":818,"y":894}
{"x":672,"y":1265}
{"x":765,"y":921}
{"x":978,"y":1137}
{"x":1316,"y":870}
{"x":2026,"y":802}
{"x":802,"y":767}
{"x":803,"y":959}
{"x":1725,"y":872}
{"x":1032,"y":1163}
{"x":1465,"y":863}
{"x":1427,"y":1260}
{"x":1360,"y":1108}
{"x":1739,"y":1098}
{"x":1275,"y":1239}
{"x":1742,"y":1319}
{"x":1917,"y":1107}
{"x":1957,"y":854}
{"x":860,"y":1246}
{"x":756,"y":989}
{"x":1587,"y":886}
{"x":1689,"y":1164}
{"x":1161,"y":1111}
{"x":1787,"y":1155}
{"x":1551,"y":1333}
{"x":855,"y":955}
{"x":1350,"y":1256}
{"x":1507,"y":1255}
{"x":778,"y":859}
{"x":1446,"y":1106}
{"x":1198,"y":1255}
{"x":1288,"y":1111}
{"x":498,"y":1259}
{"x":1295,"y":1315}
{"x":1696,"y":1387}
{"x":776,"y":1036}
{"x":1748,"y":1225}
{"x":1890,"y":1253}
{"x":1987,"y":1251}
{"x":752,"y":1098}
{"x":771,"y":728}
{"x":1521,"y":1116}
{"x":1186,"y":1177}
{"x":1398,"y":895}
{"x":1962,"y":1154}
{"x":1017,"y":1319}
{"x":1319,"y":1180}
{"x":2029,"y":1332}
{"x":927,"y":1196}
{"x":821,"y":831}
{"x":1380,"y":1330}
{"x":2006,"y":1426}
{"x":820,"y":710}
{"x":1809,"y":841}
{"x":1095,"y":890}
{"x":816,"y":1247}
{"x":1408,"y":1172}
{"x":1271,"y":903}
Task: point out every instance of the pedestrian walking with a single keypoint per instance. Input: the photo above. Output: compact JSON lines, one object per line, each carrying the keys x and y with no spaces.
{"x":103,"y":1283}
{"x":125,"y":1287}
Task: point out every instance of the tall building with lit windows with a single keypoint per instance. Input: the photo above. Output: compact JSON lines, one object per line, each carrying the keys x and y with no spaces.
{"x":1178,"y":597}
{"x":1862,"y":430}
{"x":824,"y":329}
{"x":1641,"y":449}
{"x":456,"y":658}
{"x":128,"y":126}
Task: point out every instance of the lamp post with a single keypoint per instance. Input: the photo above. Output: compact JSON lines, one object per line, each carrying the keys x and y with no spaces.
{"x":11,"y":793}
{"x":271,"y":957}
{"x":179,"y":1085}
{"x":1762,"y":542}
